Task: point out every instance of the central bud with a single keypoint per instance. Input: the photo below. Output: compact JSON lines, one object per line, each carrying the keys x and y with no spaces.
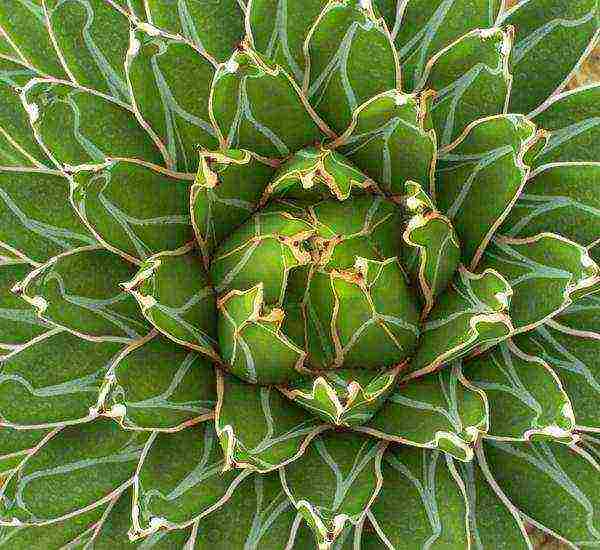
{"x":313,"y":281}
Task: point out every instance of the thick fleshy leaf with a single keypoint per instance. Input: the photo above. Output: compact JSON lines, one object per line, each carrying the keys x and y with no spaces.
{"x":344,"y":397}
{"x":431,"y":249}
{"x":18,"y":146}
{"x":543,"y":271}
{"x":258,"y":428}
{"x":560,"y":198}
{"x":102,"y":528}
{"x":79,"y":290}
{"x":384,"y":132}
{"x":471,"y":81}
{"x":159,"y":71}
{"x":79,"y":468}
{"x":421,"y":503}
{"x":66,"y":121}
{"x":257,"y":516}
{"x":525,"y":398}
{"x":278,"y":29}
{"x":567,"y":476}
{"x":274,"y":128}
{"x":543,"y":28}
{"x":421,"y":28}
{"x":159,"y":385}
{"x":37,"y":219}
{"x":218,"y":202}
{"x":345,"y":477}
{"x":493,"y":521}
{"x":181,"y":479}
{"x":24,"y":23}
{"x":439,"y":411}
{"x":471,"y":314}
{"x":18,"y":323}
{"x":351,"y":58}
{"x":319,"y":173}
{"x":214,"y":29}
{"x":573,"y":121}
{"x":91,"y":38}
{"x":174,"y":294}
{"x":38,"y":388}
{"x":17,"y":445}
{"x":570,"y":344}
{"x":133,"y":209}
{"x":480,"y":176}
{"x":252,"y":345}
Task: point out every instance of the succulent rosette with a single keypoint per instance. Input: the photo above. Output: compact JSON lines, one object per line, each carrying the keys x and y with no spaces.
{"x":291,"y":274}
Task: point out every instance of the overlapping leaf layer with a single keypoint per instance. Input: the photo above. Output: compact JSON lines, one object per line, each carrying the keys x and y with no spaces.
{"x":290,"y":274}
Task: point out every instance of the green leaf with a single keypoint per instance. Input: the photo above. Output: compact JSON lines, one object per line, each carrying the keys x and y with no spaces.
{"x":543,"y":271}
{"x":133,"y":209}
{"x":79,"y":468}
{"x":545,"y":27}
{"x":438,"y":411}
{"x":38,"y":388}
{"x":18,"y":323}
{"x":159,"y":71}
{"x":218,"y":202}
{"x":91,"y":38}
{"x":278,"y":29}
{"x":18,"y":146}
{"x":572,"y":120}
{"x":253,"y":345}
{"x":25,"y":24}
{"x":319,"y":173}
{"x":471,"y":80}
{"x":16,"y":446}
{"x":564,"y":198}
{"x":493,"y":521}
{"x":567,"y":476}
{"x":37,"y":219}
{"x":258,"y":428}
{"x":384,"y":132}
{"x":65,"y":119}
{"x":471,"y":314}
{"x":344,"y":397}
{"x":159,"y":385}
{"x":421,"y":503}
{"x":431,"y":248}
{"x":570,"y":344}
{"x":214,"y":29}
{"x":174,"y":294}
{"x":274,"y":128}
{"x":421,"y":28}
{"x":258,"y":515}
{"x":525,"y":397}
{"x":351,"y":58}
{"x":68,"y":292}
{"x":345,"y":477}
{"x":180,"y":479}
{"x":479,"y":178}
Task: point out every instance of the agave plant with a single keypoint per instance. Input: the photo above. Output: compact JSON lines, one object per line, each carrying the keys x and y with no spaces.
{"x":291,"y":274}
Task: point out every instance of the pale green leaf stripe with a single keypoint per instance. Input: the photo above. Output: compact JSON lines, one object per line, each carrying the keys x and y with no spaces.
{"x":525,"y":397}
{"x":159,"y":385}
{"x":258,"y":428}
{"x":91,"y":462}
{"x":91,"y":39}
{"x":567,"y":475}
{"x":441,"y":410}
{"x":341,"y":463}
{"x":421,"y":504}
{"x":545,"y":27}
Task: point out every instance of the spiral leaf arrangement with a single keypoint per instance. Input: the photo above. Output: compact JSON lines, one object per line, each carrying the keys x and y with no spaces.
{"x":291,"y":274}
